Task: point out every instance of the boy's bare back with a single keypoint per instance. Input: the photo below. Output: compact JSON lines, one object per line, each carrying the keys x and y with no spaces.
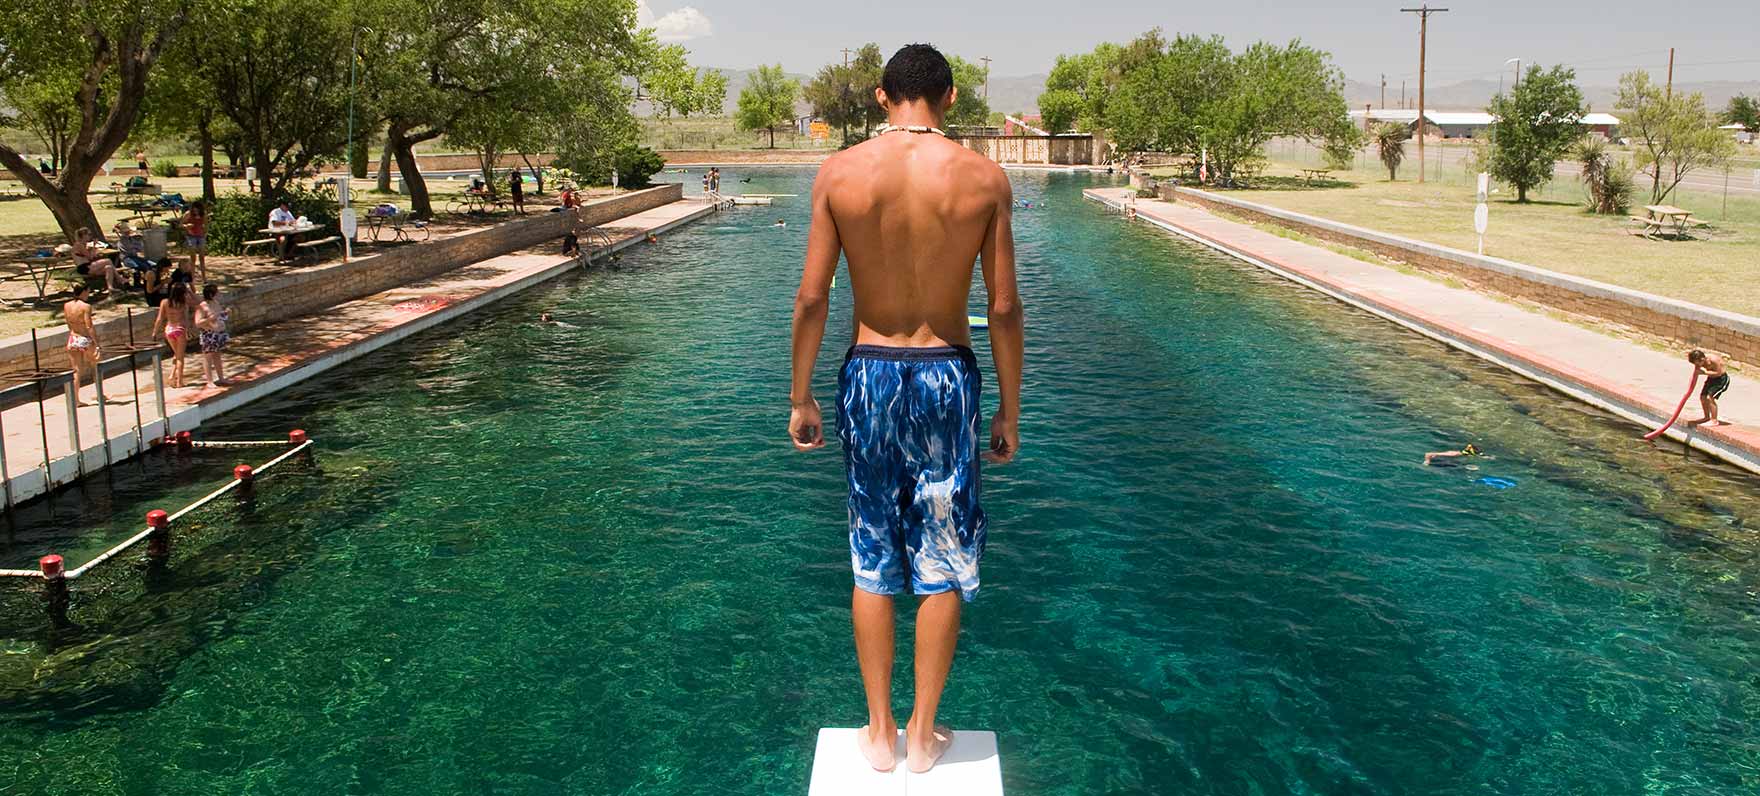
{"x":912,"y":212}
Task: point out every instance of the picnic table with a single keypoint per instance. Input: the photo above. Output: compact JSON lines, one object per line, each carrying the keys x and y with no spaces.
{"x":1659,"y":219}
{"x":474,"y":202}
{"x":292,"y":232}
{"x":1310,"y":175}
{"x":398,"y":223}
{"x":41,"y":267}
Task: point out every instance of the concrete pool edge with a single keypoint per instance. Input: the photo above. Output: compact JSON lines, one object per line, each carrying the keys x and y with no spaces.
{"x":191,"y":410}
{"x":1579,"y":384}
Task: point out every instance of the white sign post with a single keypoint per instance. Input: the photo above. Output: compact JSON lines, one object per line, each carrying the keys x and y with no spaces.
{"x":1481,"y":213}
{"x":345,"y":220}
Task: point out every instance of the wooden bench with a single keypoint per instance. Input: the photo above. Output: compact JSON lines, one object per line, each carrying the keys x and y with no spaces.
{"x":246,"y":246}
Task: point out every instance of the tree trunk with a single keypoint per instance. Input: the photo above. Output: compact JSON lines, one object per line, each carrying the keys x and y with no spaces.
{"x":1521,"y":194}
{"x":205,"y":136}
{"x":404,"y":150}
{"x":772,"y":136}
{"x":537,"y":173}
{"x":385,"y":168}
{"x":265,"y":171}
{"x":486,"y":161}
{"x":65,"y":196}
{"x":358,"y":155}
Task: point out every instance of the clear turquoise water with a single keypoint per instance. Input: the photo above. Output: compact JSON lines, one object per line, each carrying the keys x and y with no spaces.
{"x":584,"y":559}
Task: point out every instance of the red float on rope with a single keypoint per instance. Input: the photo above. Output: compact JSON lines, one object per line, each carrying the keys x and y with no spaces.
{"x":296,"y":436}
{"x":157,"y":518}
{"x":244,"y":473}
{"x":185,"y":440}
{"x":51,"y":565}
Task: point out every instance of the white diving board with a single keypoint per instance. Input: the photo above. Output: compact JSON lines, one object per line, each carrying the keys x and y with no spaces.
{"x":971,"y":767}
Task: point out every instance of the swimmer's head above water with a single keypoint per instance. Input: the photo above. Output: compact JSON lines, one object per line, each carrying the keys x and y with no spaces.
{"x":1470,"y":450}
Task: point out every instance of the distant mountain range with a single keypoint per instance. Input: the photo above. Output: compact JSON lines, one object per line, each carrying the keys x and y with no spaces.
{"x":1020,"y":94}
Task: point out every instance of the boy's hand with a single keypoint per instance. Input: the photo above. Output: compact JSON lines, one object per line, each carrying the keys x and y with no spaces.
{"x":1005,"y":439}
{"x":805,"y":429}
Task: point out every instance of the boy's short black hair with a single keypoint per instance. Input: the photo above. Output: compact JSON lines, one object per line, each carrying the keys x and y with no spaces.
{"x":917,"y":71}
{"x":210,"y":290}
{"x":80,"y":288}
{"x":1695,"y":355}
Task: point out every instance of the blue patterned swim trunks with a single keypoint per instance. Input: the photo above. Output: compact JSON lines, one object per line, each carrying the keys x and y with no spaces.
{"x":908,"y":419}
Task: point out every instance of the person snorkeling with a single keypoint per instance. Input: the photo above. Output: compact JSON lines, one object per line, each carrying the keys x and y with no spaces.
{"x":1452,"y":458}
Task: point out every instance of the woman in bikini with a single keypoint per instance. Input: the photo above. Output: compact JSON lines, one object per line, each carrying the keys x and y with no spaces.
{"x":174,"y":322}
{"x":89,"y":258}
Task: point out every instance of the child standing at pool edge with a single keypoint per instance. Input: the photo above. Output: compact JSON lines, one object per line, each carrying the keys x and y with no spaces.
{"x":211,"y":319}
{"x":912,"y":211}
{"x":1716,"y":383}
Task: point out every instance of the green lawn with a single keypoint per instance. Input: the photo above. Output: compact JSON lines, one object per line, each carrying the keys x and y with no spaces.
{"x":1718,"y":269}
{"x":719,"y":132}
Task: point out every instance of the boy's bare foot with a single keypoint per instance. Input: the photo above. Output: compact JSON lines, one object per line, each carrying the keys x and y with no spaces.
{"x":922,"y":754}
{"x":1695,"y":422}
{"x":877,"y":747}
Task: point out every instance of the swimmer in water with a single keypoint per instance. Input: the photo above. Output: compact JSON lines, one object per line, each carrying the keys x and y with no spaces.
{"x":1451,"y":458}
{"x":780,"y":223}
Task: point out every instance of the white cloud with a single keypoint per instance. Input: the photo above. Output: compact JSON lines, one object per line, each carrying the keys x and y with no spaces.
{"x":675,"y":26}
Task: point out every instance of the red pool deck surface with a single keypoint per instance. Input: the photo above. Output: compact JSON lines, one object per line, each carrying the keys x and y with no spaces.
{"x":1639,"y":383}
{"x":274,"y":357}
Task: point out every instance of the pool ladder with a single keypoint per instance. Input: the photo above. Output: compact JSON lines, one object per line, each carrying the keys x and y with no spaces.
{"x":595,"y":245}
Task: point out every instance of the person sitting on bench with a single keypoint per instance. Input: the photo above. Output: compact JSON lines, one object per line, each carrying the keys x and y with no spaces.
{"x":89,"y":258}
{"x":282,"y":217}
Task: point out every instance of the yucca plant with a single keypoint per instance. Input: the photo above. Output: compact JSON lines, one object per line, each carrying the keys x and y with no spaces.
{"x":1390,"y":141}
{"x":1609,"y":181}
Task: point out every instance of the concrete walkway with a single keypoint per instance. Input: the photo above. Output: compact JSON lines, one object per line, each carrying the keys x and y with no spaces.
{"x":1635,"y":382}
{"x":275,"y":357}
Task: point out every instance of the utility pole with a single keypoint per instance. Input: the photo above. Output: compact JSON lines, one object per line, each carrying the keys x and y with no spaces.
{"x":1669,"y":92}
{"x":1384,"y":90}
{"x":1423,"y":13}
{"x":986,"y":60}
{"x":1402,"y":95}
{"x":848,"y":107}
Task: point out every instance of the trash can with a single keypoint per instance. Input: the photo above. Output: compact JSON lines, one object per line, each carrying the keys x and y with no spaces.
{"x":154,"y":240}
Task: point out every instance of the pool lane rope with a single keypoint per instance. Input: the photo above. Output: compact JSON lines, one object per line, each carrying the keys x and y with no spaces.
{"x":53,"y":566}
{"x":1678,"y":407}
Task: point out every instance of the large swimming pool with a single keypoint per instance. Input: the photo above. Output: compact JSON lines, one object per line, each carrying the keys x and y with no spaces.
{"x":584,"y":559}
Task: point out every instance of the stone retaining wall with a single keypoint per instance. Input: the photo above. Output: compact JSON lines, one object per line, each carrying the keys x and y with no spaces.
{"x":312,"y":289}
{"x":423,"y":162}
{"x":1063,"y":150}
{"x":1692,"y":324}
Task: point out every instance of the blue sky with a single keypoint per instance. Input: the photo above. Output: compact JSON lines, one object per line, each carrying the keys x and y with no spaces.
{"x":1714,"y":40}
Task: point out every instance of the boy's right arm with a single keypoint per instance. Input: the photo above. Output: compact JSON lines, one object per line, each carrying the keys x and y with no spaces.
{"x":1007,"y":326}
{"x":811,"y":304}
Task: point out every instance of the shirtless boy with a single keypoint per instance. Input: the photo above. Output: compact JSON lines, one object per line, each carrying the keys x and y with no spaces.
{"x":82,"y":337}
{"x":1716,"y":383}
{"x":911,"y":210}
